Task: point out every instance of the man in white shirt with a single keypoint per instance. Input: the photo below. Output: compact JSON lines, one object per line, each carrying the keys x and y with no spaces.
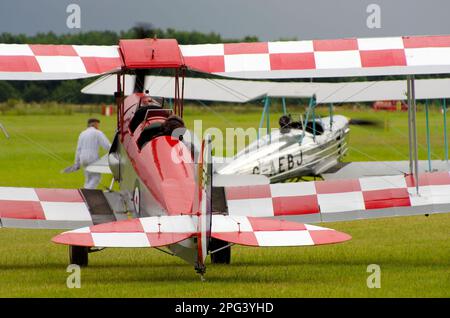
{"x":89,"y":142}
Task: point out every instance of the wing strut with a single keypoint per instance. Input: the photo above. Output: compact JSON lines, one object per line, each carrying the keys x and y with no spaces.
{"x":412,"y":131}
{"x":444,"y":111}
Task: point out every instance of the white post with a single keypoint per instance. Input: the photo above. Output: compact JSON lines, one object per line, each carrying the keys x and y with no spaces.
{"x":408,"y":94}
{"x":4,"y":130}
{"x":414,"y":132}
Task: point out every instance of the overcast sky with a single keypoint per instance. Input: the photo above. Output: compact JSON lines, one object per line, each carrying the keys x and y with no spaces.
{"x":267,"y":19}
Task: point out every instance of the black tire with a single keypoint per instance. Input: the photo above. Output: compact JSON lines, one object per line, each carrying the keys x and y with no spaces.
{"x":223,"y":256}
{"x":79,"y":255}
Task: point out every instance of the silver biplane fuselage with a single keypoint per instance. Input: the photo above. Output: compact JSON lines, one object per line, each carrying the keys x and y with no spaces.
{"x":294,"y":152}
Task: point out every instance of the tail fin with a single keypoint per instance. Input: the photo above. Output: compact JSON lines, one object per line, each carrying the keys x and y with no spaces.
{"x":205,"y":174}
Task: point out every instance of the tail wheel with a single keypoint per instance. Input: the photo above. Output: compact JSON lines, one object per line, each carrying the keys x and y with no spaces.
{"x":79,"y":255}
{"x":220,"y":257}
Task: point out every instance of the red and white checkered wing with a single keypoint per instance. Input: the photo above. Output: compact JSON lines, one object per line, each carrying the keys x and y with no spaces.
{"x":269,"y":232}
{"x":142,"y":232}
{"x":289,"y":59}
{"x":323,"y":58}
{"x":343,"y":200}
{"x":43,"y":208}
{"x":56,"y":62}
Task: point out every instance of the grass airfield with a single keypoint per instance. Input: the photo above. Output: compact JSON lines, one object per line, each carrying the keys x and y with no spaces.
{"x":413,"y":252}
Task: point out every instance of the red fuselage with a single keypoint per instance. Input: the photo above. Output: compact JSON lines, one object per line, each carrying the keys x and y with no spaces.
{"x":160,"y":165}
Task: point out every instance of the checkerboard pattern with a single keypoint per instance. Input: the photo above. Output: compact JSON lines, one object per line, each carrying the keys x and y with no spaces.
{"x":43,"y":204}
{"x":352,"y":54}
{"x":338,"y":196}
{"x":165,"y":230}
{"x":343,"y":57}
{"x":252,"y":231}
{"x":58,"y":61}
{"x":142,"y":232}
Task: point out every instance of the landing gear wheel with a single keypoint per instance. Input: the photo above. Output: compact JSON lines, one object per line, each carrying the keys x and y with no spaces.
{"x":220,"y":257}
{"x":79,"y":255}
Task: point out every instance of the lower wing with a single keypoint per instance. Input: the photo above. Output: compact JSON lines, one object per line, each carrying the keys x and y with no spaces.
{"x":55,"y":208}
{"x":338,"y":200}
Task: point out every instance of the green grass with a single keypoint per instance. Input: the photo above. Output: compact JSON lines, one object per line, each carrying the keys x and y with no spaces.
{"x":413,"y":252}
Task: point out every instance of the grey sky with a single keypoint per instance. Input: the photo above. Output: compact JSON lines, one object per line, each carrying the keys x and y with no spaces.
{"x":267,"y":19}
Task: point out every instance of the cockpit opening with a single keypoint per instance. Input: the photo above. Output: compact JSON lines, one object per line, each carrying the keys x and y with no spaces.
{"x":148,"y":107}
{"x":286,"y":124}
{"x":172,"y":126}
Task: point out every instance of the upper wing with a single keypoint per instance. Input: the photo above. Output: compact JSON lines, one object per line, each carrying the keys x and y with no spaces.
{"x":56,"y":62}
{"x":290,"y":59}
{"x":323,"y":58}
{"x":53,"y":208}
{"x":60,"y":62}
{"x":339,"y":200}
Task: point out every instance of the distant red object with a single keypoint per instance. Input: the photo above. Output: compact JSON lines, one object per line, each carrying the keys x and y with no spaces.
{"x":107,"y":110}
{"x":390,"y":105}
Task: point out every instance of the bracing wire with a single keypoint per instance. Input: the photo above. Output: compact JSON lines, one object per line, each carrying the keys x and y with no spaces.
{"x":51,"y":154}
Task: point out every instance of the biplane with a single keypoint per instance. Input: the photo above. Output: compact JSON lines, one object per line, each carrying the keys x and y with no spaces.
{"x":167,"y":199}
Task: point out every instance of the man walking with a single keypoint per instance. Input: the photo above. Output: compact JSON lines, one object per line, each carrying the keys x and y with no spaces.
{"x":89,"y":142}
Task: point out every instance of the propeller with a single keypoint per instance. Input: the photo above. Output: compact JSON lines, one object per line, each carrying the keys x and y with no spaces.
{"x":364,"y":122}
